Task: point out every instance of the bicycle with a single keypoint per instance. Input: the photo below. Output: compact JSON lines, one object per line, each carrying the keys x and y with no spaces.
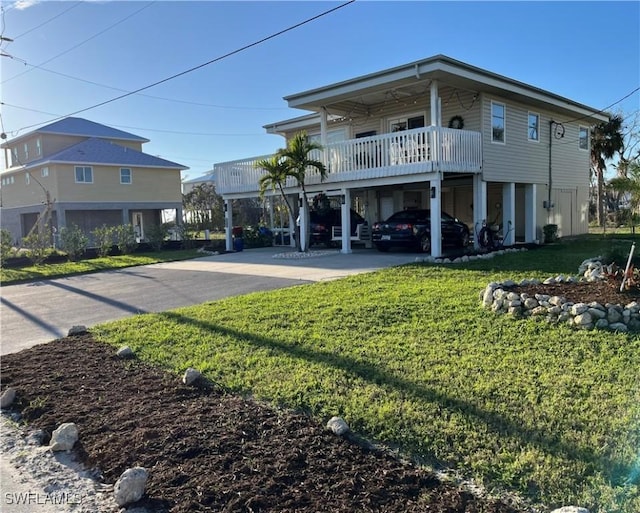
{"x":489,"y":235}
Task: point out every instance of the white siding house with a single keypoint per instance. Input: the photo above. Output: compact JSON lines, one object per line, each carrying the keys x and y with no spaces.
{"x":443,"y":135}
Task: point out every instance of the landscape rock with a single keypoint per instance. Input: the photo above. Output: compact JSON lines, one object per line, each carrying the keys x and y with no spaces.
{"x":570,"y":509}
{"x":63,"y":438}
{"x":125,"y":352}
{"x":7,"y":397}
{"x":338,"y":426}
{"x":130,"y":486}
{"x":191,"y":376}
{"x":77,"y":330}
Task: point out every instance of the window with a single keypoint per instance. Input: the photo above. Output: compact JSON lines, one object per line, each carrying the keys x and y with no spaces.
{"x":583,"y":138}
{"x":533,"y":127}
{"x":27,"y":178}
{"x":44,"y":171}
{"x":26,"y":151}
{"x":497,"y":122}
{"x":84,"y":174}
{"x":38,"y":147}
{"x":408,"y":123}
{"x":8,"y":180}
{"x":15,"y":159}
{"x":125,"y":175}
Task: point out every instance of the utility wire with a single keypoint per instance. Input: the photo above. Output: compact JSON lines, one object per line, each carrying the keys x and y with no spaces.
{"x":82,"y":42}
{"x":48,"y":21}
{"x":605,"y":108}
{"x":190,"y":70}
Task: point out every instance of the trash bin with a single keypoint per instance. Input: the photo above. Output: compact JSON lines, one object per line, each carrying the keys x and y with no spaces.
{"x":238,"y":243}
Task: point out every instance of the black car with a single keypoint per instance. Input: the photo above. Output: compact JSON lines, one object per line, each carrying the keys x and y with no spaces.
{"x":412,"y":228}
{"x":323,"y":221}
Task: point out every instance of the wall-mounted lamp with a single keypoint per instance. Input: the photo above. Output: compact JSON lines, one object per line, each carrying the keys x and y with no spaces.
{"x":343,"y":199}
{"x":433,"y":192}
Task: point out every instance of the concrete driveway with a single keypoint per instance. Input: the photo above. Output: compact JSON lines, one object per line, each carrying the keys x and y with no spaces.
{"x":41,"y":311}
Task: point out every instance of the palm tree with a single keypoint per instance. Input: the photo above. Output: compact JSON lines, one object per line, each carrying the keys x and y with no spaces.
{"x":630,"y":187}
{"x":606,"y":141}
{"x":275,"y":177}
{"x":298,"y":160}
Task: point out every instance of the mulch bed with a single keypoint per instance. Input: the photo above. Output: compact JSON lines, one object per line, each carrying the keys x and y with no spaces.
{"x":207,"y":450}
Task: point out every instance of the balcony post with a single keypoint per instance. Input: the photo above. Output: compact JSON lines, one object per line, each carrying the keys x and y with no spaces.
{"x":530,"y":212}
{"x":435,"y":115}
{"x":509,"y":213}
{"x":479,"y":206}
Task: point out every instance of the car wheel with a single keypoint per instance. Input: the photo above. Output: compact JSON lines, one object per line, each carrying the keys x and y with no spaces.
{"x":425,"y":244}
{"x":382,"y":247}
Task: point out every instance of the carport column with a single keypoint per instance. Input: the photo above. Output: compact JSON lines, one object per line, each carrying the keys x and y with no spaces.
{"x":530,"y":212}
{"x":228,"y":223}
{"x":509,"y":213}
{"x":479,"y":206}
{"x":292,"y":224}
{"x":303,"y":221}
{"x":345,"y":215}
{"x":436,"y":215}
{"x":125,"y":216}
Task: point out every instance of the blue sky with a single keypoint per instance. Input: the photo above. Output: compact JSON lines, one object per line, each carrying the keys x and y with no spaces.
{"x":67,"y":56}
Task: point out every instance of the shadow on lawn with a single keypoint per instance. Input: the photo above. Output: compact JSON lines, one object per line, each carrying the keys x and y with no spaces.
{"x":548,"y":442}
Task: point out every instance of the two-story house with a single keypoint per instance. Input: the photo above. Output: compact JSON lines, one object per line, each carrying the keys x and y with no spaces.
{"x":88,"y":175}
{"x":443,"y":135}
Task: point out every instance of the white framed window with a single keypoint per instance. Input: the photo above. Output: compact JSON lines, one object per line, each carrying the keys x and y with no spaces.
{"x":125,"y":175}
{"x":498,"y":117}
{"x":26,"y":151}
{"x":583,"y":138}
{"x":533,"y":127}
{"x":38,"y":147}
{"x":84,"y":174}
{"x":44,"y":172}
{"x":14,"y":153}
{"x":27,"y":178}
{"x":409,"y":122}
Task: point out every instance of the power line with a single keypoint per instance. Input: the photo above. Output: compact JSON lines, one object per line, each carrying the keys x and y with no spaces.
{"x":82,"y":42}
{"x":190,"y":70}
{"x":48,"y":21}
{"x":176,"y":100}
{"x":605,"y":108}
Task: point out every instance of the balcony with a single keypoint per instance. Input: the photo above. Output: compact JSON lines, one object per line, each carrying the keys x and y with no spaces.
{"x":410,"y":152}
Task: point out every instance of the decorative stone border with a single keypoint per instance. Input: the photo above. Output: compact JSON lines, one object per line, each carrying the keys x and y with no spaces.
{"x":556,"y":309}
{"x":467,"y":258}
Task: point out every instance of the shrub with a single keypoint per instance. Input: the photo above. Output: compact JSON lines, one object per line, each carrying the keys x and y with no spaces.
{"x":6,"y":245}
{"x":258,"y":237}
{"x":104,"y":239}
{"x":156,"y":235}
{"x":550,"y":232}
{"x":38,"y":242}
{"x":126,"y":239}
{"x":187,"y":233}
{"x":74,"y":242}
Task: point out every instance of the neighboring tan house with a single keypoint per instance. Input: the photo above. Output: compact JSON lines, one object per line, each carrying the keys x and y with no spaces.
{"x":90,"y":175}
{"x":443,"y":135}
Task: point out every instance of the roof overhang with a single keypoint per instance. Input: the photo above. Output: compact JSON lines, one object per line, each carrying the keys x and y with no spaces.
{"x":356,"y":96}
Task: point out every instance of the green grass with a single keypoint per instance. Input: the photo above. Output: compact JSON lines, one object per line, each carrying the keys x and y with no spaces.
{"x":409,"y":358}
{"x":47,"y":271}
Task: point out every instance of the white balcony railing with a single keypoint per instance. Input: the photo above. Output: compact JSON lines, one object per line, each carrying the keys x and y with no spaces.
{"x":421,"y":150}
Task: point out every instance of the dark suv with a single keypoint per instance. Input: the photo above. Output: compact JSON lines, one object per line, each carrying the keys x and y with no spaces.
{"x":323,"y":221}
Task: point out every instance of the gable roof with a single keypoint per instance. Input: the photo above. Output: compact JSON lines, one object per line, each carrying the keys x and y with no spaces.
{"x":80,"y":127}
{"x":98,"y":151}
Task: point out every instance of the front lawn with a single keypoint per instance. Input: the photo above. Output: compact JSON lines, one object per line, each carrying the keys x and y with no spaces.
{"x":410,"y":359}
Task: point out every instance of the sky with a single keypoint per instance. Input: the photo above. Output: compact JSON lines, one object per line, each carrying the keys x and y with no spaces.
{"x":70,"y":56}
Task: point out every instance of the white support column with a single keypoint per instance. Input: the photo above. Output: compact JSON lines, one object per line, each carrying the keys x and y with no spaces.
{"x":436,"y":215}
{"x":345,"y":215}
{"x":479,"y":206}
{"x":292,"y":226}
{"x":304,"y":214}
{"x":509,"y":213}
{"x":435,"y":104}
{"x":530,"y":212}
{"x":228,"y":223}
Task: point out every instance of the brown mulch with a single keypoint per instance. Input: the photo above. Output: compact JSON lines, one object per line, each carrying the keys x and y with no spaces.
{"x":210,"y":451}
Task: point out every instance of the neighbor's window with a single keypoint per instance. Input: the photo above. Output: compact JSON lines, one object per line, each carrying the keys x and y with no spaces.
{"x":583,"y":138}
{"x":27,"y":178}
{"x":125,"y":175}
{"x":497,"y":122}
{"x":38,"y":147}
{"x":533,"y":127}
{"x":26,"y":151}
{"x":44,"y":171}
{"x":84,"y":174}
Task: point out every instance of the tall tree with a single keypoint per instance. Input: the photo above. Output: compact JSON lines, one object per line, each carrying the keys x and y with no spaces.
{"x":298,"y":159}
{"x":606,"y":141}
{"x":629,"y":187}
